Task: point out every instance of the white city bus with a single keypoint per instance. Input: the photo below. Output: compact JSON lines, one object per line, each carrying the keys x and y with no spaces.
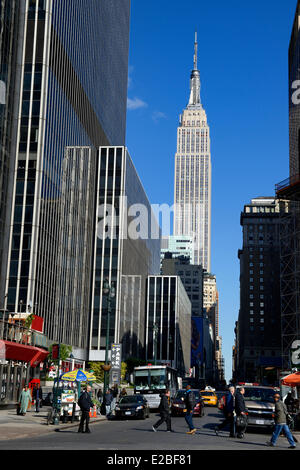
{"x":150,"y":381}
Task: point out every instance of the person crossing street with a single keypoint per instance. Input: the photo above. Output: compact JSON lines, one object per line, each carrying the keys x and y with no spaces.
{"x":281,"y":423}
{"x":190,"y":403}
{"x":241,"y":413}
{"x":164,"y":410}
{"x":229,"y":408}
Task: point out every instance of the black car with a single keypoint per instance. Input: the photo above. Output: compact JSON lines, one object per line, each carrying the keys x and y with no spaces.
{"x":178,"y":405}
{"x":132,"y":406}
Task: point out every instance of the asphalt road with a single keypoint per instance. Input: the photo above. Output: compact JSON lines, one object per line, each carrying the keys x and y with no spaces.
{"x":138,"y":435}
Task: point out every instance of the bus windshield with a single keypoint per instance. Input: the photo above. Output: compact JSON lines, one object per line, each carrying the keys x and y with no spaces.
{"x":158,"y":379}
{"x":141,"y":380}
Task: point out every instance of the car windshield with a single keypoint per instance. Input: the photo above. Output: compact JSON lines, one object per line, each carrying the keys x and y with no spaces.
{"x":131,"y":399}
{"x":259,"y":394}
{"x":207,"y":394}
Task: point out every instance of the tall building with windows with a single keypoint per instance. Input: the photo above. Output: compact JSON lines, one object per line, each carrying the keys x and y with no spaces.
{"x":168,"y":323}
{"x":178,"y":247}
{"x":60,"y":51}
{"x":125,"y":254}
{"x":288,"y":191}
{"x":192,"y":191}
{"x":258,"y":345}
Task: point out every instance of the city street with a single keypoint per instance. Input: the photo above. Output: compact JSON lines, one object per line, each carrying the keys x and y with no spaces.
{"x":138,"y":435}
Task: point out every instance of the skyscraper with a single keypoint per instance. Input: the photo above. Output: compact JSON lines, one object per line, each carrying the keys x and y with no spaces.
{"x":192,"y":192}
{"x":258,"y":329}
{"x":70,"y":64}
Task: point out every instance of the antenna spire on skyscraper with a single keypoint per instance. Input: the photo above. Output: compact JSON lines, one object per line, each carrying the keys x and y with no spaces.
{"x":196,"y":52}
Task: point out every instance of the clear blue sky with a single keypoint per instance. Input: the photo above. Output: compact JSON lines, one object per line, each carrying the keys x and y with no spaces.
{"x":243,"y":60}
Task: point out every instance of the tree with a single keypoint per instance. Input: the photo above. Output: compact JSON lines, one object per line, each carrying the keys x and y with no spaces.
{"x":64,"y":352}
{"x":99,"y":373}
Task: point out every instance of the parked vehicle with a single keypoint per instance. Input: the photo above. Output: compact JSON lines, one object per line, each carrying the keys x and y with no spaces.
{"x":178,"y":406}
{"x":209,"y":397}
{"x":132,"y":406}
{"x":260,"y":405}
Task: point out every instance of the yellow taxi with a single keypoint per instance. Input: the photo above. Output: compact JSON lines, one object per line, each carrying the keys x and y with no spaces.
{"x":209,"y":397}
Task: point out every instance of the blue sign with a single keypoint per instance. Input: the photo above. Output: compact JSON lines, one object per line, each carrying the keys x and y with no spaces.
{"x":197,"y":342}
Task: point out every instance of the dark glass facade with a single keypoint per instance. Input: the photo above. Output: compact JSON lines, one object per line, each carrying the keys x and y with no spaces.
{"x":73,"y":93}
{"x":9,"y":78}
{"x":168,"y":322}
{"x":122,"y":259}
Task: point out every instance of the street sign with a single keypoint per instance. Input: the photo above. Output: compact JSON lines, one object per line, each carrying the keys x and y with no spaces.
{"x":116,"y":362}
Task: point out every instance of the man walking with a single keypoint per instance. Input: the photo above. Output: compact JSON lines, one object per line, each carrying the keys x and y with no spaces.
{"x":37,"y":395}
{"x":164,"y":411}
{"x":280,"y":423}
{"x":85,"y":403}
{"x":107,"y":400}
{"x":240,"y":410}
{"x":115,"y":393}
{"x":228,"y":409}
{"x":190,"y":403}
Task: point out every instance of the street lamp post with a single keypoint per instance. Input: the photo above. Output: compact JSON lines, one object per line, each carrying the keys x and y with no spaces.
{"x":110,"y":292}
{"x":155,"y":334}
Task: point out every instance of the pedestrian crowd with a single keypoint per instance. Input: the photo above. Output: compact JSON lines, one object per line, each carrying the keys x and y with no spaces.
{"x":235,"y":415}
{"x":233,"y":407}
{"x":28,"y":397}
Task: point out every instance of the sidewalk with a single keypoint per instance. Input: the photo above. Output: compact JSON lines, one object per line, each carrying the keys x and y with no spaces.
{"x":32,"y":424}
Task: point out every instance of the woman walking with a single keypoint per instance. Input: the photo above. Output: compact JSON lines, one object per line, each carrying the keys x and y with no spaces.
{"x":25,"y":398}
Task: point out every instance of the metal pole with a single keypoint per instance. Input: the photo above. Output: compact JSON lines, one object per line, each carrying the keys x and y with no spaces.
{"x":57,"y":417}
{"x":155,"y":331}
{"x":106,"y":372}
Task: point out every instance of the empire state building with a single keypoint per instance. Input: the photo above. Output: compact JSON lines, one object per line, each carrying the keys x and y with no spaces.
{"x":192,"y":191}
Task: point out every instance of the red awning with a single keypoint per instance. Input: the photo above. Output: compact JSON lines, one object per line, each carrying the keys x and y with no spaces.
{"x":21,"y":352}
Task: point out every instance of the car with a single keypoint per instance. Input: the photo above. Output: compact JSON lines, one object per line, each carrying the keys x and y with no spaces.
{"x":260,"y":404}
{"x":209,"y":397}
{"x":178,"y":405}
{"x":132,"y":406}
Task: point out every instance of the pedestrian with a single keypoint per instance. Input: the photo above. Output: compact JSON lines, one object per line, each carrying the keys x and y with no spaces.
{"x":190,"y":403}
{"x":100,"y":396}
{"x":281,"y":423}
{"x":241,"y":413}
{"x":289,"y":402}
{"x":25,"y":398}
{"x":123,"y":392}
{"x":115,"y":393}
{"x":107,"y":400}
{"x":228,"y":410}
{"x":37,"y":395}
{"x":164,"y":411}
{"x":85,"y":403}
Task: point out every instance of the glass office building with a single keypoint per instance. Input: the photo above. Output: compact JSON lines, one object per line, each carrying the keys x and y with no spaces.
{"x":127,"y":249}
{"x":9,"y":81}
{"x":72,"y":61}
{"x":168,"y":327}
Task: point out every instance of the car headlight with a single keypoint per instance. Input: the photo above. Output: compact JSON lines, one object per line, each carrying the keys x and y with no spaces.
{"x":139,"y":407}
{"x":117,"y":408}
